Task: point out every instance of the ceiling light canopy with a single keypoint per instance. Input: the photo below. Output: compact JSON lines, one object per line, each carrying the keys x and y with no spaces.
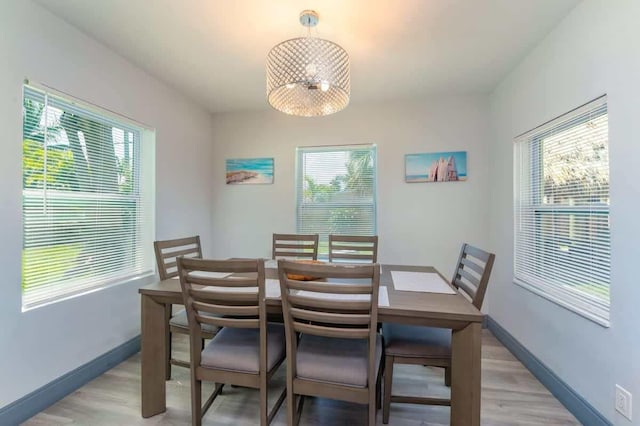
{"x":308,"y":76}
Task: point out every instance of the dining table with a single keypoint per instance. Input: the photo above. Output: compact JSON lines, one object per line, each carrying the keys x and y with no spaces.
{"x":449,"y":310}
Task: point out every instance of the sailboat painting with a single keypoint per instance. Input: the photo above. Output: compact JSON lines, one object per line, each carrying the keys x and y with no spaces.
{"x":436,"y":167}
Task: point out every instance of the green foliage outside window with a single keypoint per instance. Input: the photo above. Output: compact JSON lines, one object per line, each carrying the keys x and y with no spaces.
{"x":78,"y":162}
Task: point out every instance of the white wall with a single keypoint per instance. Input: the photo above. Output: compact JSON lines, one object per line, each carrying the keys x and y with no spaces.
{"x":595,"y":50}
{"x":41,"y":345}
{"x":418,"y":223}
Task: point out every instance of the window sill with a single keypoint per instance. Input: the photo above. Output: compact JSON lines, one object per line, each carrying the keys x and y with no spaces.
{"x":605,"y":323}
{"x":82,"y":292}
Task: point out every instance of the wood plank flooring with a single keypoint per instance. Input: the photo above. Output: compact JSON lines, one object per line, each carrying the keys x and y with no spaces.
{"x":511,"y":396}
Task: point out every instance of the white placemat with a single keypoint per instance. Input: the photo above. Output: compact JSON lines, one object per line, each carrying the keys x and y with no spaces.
{"x":272,"y":289}
{"x":383,"y":296}
{"x":271,"y":264}
{"x":205,"y":274}
{"x":428,"y":282}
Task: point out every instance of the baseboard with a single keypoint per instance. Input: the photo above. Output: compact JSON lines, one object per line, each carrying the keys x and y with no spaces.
{"x":577,"y":405}
{"x":33,"y":403}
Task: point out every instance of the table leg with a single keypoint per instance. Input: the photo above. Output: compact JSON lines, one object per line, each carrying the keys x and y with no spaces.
{"x":153,"y":357}
{"x":465,"y":376}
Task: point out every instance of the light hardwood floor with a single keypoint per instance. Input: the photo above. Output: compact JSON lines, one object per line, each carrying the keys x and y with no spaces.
{"x":510,"y":396}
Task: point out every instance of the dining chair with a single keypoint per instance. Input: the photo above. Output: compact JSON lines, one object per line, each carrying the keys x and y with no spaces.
{"x":247,"y":350}
{"x":352,"y":248}
{"x":167,"y":253}
{"x":299,"y":246}
{"x":333,"y":348}
{"x":428,"y":346}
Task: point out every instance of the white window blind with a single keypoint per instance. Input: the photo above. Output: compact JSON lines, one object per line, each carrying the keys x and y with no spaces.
{"x":336,"y":191}
{"x":561,"y":212}
{"x":87,"y":198}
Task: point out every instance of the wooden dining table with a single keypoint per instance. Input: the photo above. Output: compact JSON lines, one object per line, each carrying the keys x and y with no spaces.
{"x":452,"y":311}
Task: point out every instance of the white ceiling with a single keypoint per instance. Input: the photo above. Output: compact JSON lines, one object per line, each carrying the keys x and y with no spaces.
{"x":214,"y":50}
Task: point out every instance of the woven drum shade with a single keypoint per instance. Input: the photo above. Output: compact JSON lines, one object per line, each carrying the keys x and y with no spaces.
{"x":308,"y":77}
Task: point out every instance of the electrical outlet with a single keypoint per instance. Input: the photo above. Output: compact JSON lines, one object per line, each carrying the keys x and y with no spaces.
{"x":623,"y":401}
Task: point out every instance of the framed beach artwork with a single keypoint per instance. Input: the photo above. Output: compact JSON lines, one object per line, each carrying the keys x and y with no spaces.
{"x":436,"y":167}
{"x":249,"y":171}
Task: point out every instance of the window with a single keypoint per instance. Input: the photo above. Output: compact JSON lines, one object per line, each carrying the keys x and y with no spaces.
{"x":562,"y":235}
{"x":87,"y":198}
{"x":336,"y":191}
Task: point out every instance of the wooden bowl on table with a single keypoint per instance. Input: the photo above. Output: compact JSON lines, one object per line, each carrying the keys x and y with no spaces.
{"x":304,"y":277}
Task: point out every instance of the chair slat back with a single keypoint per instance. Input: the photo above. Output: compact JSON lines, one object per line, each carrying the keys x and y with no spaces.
{"x":299,"y":246}
{"x":167,"y":252}
{"x":235,"y":300}
{"x":344,"y":304}
{"x":352,"y":248}
{"x":472,"y":273}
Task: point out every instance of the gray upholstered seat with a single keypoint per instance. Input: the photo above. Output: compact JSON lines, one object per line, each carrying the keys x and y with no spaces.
{"x":238,"y":349}
{"x":180,"y":320}
{"x":415,"y":341}
{"x":335,"y":360}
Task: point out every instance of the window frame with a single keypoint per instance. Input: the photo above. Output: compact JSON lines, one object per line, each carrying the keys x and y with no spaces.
{"x":578,"y":301}
{"x":142,"y":196}
{"x":300,"y":152}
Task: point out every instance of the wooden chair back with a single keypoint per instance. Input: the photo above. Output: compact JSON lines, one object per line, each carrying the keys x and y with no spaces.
{"x":228,"y":294}
{"x":168,"y":251}
{"x":299,"y":246}
{"x":472,"y":273}
{"x":236,"y":300}
{"x":343,"y":305}
{"x":353,"y":248}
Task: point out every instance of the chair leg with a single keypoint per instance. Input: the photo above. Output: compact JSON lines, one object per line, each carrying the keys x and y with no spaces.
{"x":196,"y":401}
{"x":291,"y":406}
{"x":388,"y":380}
{"x":264,"y":410}
{"x":298,"y":413}
{"x":167,"y":336}
{"x":168,"y":349}
{"x":372,"y":407}
{"x":379,"y":384}
{"x":447,"y":376}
